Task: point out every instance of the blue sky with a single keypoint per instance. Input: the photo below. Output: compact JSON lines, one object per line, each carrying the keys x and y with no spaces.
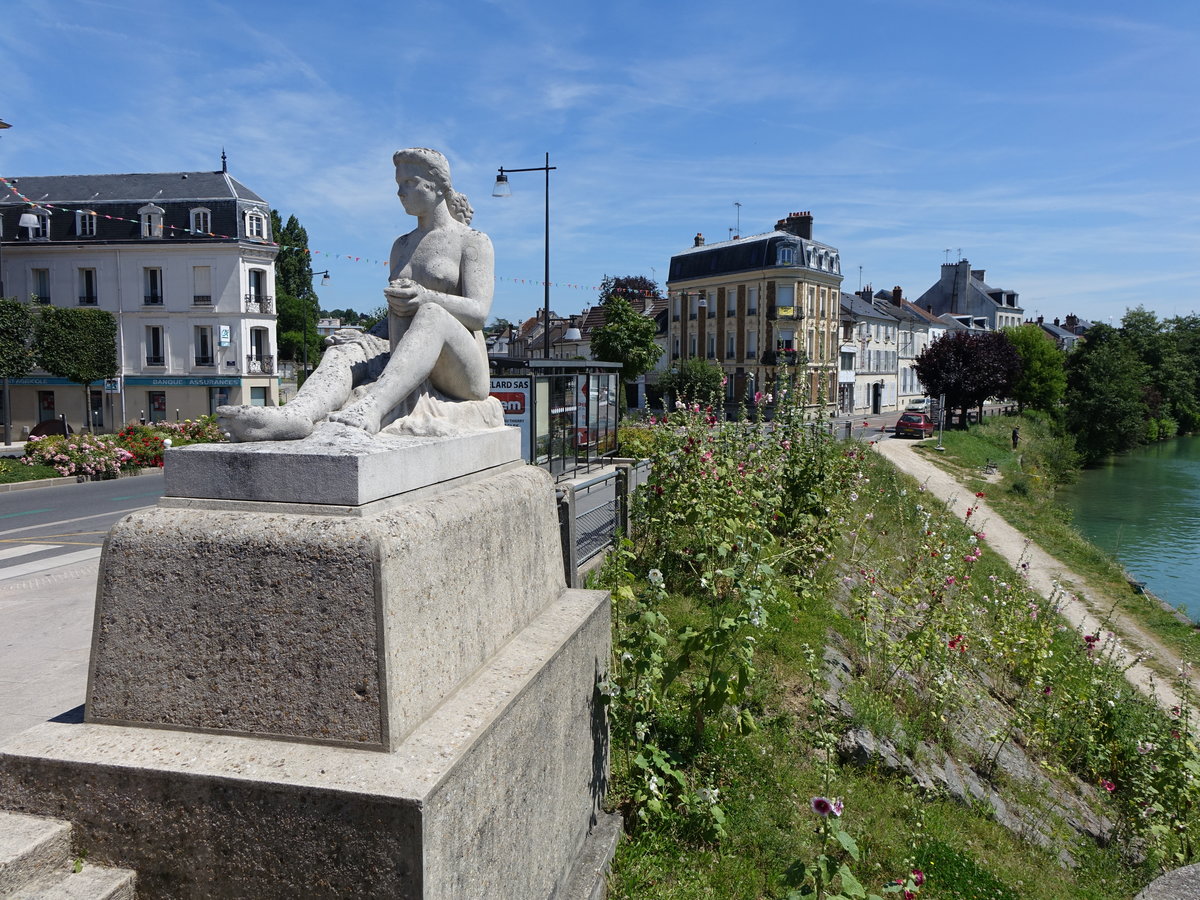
{"x":1054,"y":143}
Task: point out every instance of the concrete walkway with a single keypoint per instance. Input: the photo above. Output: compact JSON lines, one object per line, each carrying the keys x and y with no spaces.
{"x":1080,"y":605}
{"x":45,"y":636}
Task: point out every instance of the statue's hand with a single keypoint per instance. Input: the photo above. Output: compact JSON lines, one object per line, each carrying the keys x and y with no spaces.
{"x":404,"y":296}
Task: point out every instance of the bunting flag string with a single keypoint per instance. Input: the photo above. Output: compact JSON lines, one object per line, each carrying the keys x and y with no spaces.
{"x":325,"y":253}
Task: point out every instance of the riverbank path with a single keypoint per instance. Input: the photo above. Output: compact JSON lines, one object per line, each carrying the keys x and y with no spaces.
{"x":1078,"y":602}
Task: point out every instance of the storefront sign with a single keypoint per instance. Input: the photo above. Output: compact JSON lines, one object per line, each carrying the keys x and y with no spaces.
{"x":514,"y":396}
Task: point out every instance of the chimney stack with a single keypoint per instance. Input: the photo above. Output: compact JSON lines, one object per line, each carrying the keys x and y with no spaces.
{"x":797,"y":223}
{"x":897,"y":295}
{"x":698,"y":240}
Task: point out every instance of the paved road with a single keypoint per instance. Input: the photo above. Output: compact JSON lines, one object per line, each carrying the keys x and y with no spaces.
{"x":53,"y":526}
{"x":50,"y":540}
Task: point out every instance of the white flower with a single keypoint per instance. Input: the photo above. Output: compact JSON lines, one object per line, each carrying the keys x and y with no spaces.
{"x":655,"y":576}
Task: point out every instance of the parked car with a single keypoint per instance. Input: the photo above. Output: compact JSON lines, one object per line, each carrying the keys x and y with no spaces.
{"x":920,"y":404}
{"x":914,"y":424}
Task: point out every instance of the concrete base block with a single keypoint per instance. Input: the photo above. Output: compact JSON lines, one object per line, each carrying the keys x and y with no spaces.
{"x":495,"y":794}
{"x":336,"y":465}
{"x":312,"y":627}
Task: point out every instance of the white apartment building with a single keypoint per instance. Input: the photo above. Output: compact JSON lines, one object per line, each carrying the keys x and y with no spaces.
{"x":184,"y":260}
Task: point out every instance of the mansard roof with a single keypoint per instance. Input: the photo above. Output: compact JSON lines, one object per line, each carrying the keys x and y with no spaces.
{"x":861,"y":309}
{"x":120,"y":200}
{"x":93,"y":190}
{"x":747,"y":254}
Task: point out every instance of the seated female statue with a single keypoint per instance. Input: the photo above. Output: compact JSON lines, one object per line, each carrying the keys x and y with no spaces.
{"x":439,"y":294}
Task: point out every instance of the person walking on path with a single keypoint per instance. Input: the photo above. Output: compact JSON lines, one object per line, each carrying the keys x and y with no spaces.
{"x":1016,"y":437}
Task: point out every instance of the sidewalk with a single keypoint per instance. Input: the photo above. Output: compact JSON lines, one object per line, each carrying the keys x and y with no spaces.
{"x":45,"y":637}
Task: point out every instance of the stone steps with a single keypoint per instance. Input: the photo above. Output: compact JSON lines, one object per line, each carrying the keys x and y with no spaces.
{"x":36,"y":864}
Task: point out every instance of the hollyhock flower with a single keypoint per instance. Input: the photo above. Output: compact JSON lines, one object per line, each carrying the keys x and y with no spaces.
{"x":1107,"y":785}
{"x":823,"y":806}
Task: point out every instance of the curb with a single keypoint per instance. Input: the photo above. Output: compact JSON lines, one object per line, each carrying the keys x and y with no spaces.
{"x":64,"y":480}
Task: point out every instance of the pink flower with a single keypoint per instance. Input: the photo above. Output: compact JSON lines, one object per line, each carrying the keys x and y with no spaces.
{"x":823,"y":806}
{"x":1107,"y":785}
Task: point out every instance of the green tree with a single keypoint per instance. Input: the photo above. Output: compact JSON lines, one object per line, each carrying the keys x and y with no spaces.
{"x":1170,"y":390}
{"x":967,"y":368}
{"x":498,"y":325}
{"x":633,"y":288}
{"x":77,"y":344}
{"x":694,"y":380}
{"x":16,"y":353}
{"x":296,"y":303}
{"x":1106,"y":409}
{"x":16,"y":337}
{"x":626,"y":337}
{"x":1043,"y":378}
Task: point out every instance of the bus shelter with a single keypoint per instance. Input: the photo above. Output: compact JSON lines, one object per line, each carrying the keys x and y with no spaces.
{"x":566,"y":410}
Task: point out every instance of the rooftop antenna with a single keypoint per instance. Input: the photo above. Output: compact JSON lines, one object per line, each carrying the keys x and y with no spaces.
{"x":860,"y":278}
{"x":947,"y":256}
{"x":739,"y":217}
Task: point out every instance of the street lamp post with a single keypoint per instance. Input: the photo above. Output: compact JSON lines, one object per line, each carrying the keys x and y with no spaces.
{"x":501,"y":189}
{"x":7,"y":397}
{"x":312,"y":309}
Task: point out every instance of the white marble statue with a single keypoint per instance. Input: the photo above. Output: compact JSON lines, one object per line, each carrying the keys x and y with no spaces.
{"x":431,"y":375}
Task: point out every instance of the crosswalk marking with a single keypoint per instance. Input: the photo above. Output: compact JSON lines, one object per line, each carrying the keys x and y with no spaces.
{"x":53,"y":562}
{"x":26,"y":549}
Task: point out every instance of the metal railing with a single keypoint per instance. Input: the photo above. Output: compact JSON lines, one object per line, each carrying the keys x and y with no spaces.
{"x":592,"y":512}
{"x":260,"y":303}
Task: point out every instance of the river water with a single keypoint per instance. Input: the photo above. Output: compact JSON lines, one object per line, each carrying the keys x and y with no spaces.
{"x":1143,"y":507}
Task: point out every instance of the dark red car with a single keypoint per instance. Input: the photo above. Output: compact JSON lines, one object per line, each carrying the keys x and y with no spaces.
{"x":914,"y":424}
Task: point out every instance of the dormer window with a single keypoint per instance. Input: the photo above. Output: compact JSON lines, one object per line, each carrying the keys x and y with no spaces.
{"x":785,"y":255}
{"x":201,"y":221}
{"x":36,"y":223}
{"x":152,"y":220}
{"x":256,"y":225}
{"x":85,"y":223}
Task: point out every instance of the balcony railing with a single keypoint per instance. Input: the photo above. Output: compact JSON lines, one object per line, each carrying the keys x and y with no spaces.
{"x":156,"y":361}
{"x":202,"y":300}
{"x":153,"y":299}
{"x":205,"y":361}
{"x":260,"y":303}
{"x":88,"y":300}
{"x":260,"y":365}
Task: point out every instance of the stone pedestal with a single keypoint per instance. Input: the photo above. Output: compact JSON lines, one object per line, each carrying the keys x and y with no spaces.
{"x":394,"y":697}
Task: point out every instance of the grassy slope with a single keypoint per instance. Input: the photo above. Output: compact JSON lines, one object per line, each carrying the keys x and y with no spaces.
{"x":1026,"y":501}
{"x":766,"y":780}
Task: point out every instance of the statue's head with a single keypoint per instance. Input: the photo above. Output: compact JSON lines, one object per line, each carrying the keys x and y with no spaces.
{"x":438,"y":169}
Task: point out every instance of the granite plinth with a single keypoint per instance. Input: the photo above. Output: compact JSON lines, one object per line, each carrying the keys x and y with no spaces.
{"x":496,"y":794}
{"x":318,"y":628}
{"x":336,"y":465}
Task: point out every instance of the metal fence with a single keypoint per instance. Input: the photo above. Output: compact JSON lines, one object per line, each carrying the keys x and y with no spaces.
{"x":592,"y":512}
